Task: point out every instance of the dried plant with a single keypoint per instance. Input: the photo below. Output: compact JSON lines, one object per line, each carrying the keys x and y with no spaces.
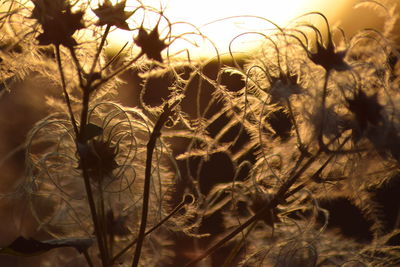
{"x":246,"y":169}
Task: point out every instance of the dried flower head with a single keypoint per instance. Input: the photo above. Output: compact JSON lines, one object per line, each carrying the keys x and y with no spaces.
{"x":113,"y":15}
{"x":57,"y":21}
{"x":326,"y":55}
{"x":100,"y":158}
{"x":150,"y":43}
{"x":366,"y":109}
{"x":284,"y":86}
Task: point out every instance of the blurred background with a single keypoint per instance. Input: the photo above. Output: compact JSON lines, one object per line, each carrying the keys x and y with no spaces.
{"x":24,"y":105}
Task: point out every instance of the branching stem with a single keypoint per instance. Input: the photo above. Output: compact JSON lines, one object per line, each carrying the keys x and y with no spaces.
{"x":81,"y":148}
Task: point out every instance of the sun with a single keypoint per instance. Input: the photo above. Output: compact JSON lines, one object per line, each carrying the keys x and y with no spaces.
{"x":211,"y":27}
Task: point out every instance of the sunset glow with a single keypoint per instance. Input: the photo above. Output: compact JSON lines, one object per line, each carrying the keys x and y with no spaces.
{"x":221,"y":21}
{"x":209,"y":26}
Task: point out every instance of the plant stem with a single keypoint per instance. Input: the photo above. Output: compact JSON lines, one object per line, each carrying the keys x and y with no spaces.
{"x":101,"y":236}
{"x":64,"y":87}
{"x":172,"y":213}
{"x":323,"y":104}
{"x":81,"y":147}
{"x":156,"y":133}
{"x":77,"y":66}
{"x":296,"y":128}
{"x":92,"y":206}
{"x":88,"y":259}
{"x":316,"y":173}
{"x":102,"y":218}
{"x":100,"y":48}
{"x":80,"y":138}
{"x":234,"y":253}
{"x":118,"y":71}
{"x":84,"y":115}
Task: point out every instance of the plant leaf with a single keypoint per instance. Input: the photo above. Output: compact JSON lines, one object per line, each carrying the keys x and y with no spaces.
{"x":31,"y":247}
{"x":92,"y":130}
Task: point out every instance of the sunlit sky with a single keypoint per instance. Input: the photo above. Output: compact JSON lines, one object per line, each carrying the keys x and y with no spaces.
{"x":214,"y":19}
{"x":206,"y":15}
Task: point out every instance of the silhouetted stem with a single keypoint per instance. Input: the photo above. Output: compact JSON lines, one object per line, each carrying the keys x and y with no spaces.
{"x":102,"y":219}
{"x":77,"y":66}
{"x":88,"y":259}
{"x":87,"y":87}
{"x":81,"y":147}
{"x":236,"y":249}
{"x":80,"y":141}
{"x":172,"y":213}
{"x":323,"y":104}
{"x":238,"y":230}
{"x":84,"y":115}
{"x":118,"y":71}
{"x":92,"y":206}
{"x":296,"y":128}
{"x":317,"y":173}
{"x":115,"y":57}
{"x":64,"y":87}
{"x":101,"y":239}
{"x":156,"y":133}
{"x":100,"y":48}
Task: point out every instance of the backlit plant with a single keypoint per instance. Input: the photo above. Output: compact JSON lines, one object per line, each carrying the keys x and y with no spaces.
{"x":242,"y":170}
